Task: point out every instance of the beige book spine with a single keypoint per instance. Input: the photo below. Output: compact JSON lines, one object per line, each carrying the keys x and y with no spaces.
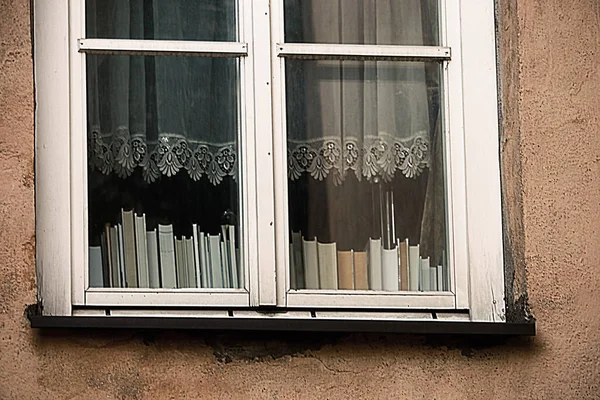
{"x":404,"y":270}
{"x":345,"y":261}
{"x":361,"y":273}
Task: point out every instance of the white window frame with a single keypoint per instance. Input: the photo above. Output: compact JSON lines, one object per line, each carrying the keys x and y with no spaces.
{"x":471,"y":155}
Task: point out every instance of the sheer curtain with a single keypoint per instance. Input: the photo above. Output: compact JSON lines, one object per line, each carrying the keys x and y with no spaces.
{"x":365,"y":135}
{"x":162,"y":114}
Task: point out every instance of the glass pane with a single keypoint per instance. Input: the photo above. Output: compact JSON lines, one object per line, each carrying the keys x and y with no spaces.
{"x":163,"y":178}
{"x":385,"y":22}
{"x":203,"y":20}
{"x":366,"y":180}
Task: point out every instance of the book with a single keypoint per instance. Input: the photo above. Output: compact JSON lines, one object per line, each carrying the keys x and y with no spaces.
{"x":226,"y":268}
{"x":361,"y":273}
{"x":141,"y":247}
{"x":121,"y":247}
{"x":130,"y":263}
{"x":153,"y":268}
{"x":205,"y":276}
{"x":414,"y":268}
{"x":425,"y":275}
{"x":196,"y":250}
{"x":188,"y":244}
{"x":292,"y":271}
{"x":96,"y":277}
{"x":166,"y":247}
{"x":311,"y":263}
{"x":389,"y":269}
{"x":375,"y":282}
{"x":345,"y":267}
{"x":440,"y":278}
{"x":327,"y":256}
{"x":113,"y":249}
{"x":237,"y":274}
{"x":433,"y":278}
{"x":180,"y":264}
{"x":298,"y":262}
{"x":214,"y":255}
{"x":106,"y":267}
{"x":404,"y":270}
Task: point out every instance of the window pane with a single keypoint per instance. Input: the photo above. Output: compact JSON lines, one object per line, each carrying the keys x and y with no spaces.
{"x":203,"y":20}
{"x":385,"y":22}
{"x":163,"y":178}
{"x":365,"y":167}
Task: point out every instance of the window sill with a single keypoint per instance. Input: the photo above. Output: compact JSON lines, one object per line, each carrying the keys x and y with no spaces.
{"x":422,"y":327}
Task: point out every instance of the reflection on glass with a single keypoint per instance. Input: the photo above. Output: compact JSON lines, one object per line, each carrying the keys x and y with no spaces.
{"x":365,"y":168}
{"x":204,"y":20}
{"x":163,"y":172}
{"x":384,"y":22}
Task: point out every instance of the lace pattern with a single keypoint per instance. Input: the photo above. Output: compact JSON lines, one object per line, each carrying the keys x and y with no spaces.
{"x":378,"y":156}
{"x":122,"y":152}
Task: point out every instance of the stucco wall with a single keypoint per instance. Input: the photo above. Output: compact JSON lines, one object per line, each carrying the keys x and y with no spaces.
{"x":551,"y":172}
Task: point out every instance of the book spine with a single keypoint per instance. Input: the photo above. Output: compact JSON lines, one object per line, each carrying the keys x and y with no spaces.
{"x":214,"y":254}
{"x":425,"y":275}
{"x":375,"y":280}
{"x":204,"y":261}
{"x":106,"y":267}
{"x":141,"y":247}
{"x":298,"y":262}
{"x":232,"y":254}
{"x":404,"y":269}
{"x":327,"y":255}
{"x":361,"y":273}
{"x":113,"y":248}
{"x":130,"y":264}
{"x":121,"y":256}
{"x":188,"y":244}
{"x":96,"y":277}
{"x":293,"y":269}
{"x":389,"y":269}
{"x":197,"y":255}
{"x":180,"y":263}
{"x":311,"y":263}
{"x":345,"y":266}
{"x":153,"y":268}
{"x":414,"y":268}
{"x":433,"y":280}
{"x":166,"y":245}
{"x":225,"y":262}
{"x":440,"y":278}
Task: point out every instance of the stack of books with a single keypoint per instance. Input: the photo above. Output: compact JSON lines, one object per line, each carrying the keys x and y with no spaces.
{"x":132,"y":257}
{"x":316,"y":265}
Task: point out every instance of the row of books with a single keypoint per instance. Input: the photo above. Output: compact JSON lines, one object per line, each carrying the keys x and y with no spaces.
{"x":316,"y":265}
{"x":129,"y":256}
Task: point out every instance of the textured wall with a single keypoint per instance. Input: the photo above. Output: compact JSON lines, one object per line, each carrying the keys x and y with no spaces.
{"x":550,"y":52}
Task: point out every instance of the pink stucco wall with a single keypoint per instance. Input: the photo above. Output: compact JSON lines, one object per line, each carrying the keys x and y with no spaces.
{"x":550,"y":52}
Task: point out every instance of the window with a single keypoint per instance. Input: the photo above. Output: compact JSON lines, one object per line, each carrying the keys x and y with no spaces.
{"x":334,"y":159}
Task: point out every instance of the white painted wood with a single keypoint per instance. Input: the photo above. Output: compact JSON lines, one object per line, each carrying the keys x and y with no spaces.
{"x":482,"y":161}
{"x":165,"y":297}
{"x":162,"y":47}
{"x":264,"y":153}
{"x":453,"y":316}
{"x":52,"y":178}
{"x":78,"y":149}
{"x":272,"y":315}
{"x":169,"y":313}
{"x":454,"y":152}
{"x":89,"y":312}
{"x":375,"y":316}
{"x":369,"y":300}
{"x":363,"y":52}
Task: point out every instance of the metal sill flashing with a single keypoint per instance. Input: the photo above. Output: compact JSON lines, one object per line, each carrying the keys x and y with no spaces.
{"x":431,"y":327}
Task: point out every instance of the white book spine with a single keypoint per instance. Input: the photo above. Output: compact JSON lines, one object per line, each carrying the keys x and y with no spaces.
{"x":196,"y":245}
{"x":181,"y":264}
{"x":327,"y":255}
{"x":311,"y":263}
{"x":425,"y":275}
{"x":167,"y":256}
{"x":440,"y":278}
{"x":96,"y":277}
{"x":129,"y":253}
{"x":153,"y":268}
{"x":121,"y":256}
{"x":414,"y":267}
{"x":375,"y":278}
{"x":204,"y":261}
{"x":190,"y":263}
{"x":214,"y":254}
{"x":389,"y":269}
{"x":141,"y":247}
{"x":232,"y":254}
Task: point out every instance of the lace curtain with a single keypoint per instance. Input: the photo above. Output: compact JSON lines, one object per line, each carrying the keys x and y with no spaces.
{"x":163,"y":114}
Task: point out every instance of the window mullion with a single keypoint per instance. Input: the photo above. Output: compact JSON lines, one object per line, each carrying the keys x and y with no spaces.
{"x":163,"y":47}
{"x":362,"y":52}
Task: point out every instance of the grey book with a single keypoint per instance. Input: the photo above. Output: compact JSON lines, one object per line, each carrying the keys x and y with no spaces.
{"x":236,"y":265}
{"x":166,"y":247}
{"x":188,"y":245}
{"x":374,"y":267}
{"x":311,"y":263}
{"x":196,"y":249}
{"x":141,"y":250}
{"x":96,"y":277}
{"x":130,"y":264}
{"x":181,"y":264}
{"x":328,"y":273}
{"x":214,"y":255}
{"x":113,"y":249}
{"x":205,"y":275}
{"x":153,"y":268}
{"x":121,"y":247}
{"x":296,"y":255}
